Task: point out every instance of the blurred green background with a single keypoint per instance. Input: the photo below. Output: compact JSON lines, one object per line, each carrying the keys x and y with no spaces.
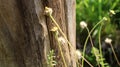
{"x":92,"y":11}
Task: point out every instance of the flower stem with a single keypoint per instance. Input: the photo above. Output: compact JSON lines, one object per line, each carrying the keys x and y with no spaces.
{"x":92,"y":44}
{"x":61,"y":52}
{"x":114,"y":54}
{"x":84,"y":48}
{"x":100,"y":48}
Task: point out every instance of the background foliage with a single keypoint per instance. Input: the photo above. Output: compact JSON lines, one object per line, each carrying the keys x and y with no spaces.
{"x":92,"y":11}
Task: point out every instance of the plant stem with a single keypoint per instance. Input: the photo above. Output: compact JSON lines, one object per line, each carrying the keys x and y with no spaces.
{"x":114,"y":54}
{"x":90,"y":37}
{"x":60,"y":30}
{"x":84,"y":48}
{"x":92,"y":44}
{"x":87,"y":62}
{"x":100,"y":48}
{"x":62,"y":33}
{"x":61,"y":52}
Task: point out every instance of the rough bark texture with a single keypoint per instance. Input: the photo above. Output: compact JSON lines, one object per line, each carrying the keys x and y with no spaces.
{"x":25,"y":37}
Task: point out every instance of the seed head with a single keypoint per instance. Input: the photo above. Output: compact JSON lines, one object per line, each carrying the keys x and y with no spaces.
{"x":78,"y":54}
{"x":61,"y":40}
{"x":112,"y":12}
{"x":104,"y":18}
{"x":108,"y":40}
{"x":54,"y":29}
{"x":48,"y":11}
{"x":83,"y":24}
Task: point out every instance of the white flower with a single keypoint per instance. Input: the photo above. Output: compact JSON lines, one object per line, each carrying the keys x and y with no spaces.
{"x":61,"y":40}
{"x":54,"y":29}
{"x":105,"y":18}
{"x":48,"y":10}
{"x":112,"y":12}
{"x":83,"y":24}
{"x":78,"y":54}
{"x":108,"y":40}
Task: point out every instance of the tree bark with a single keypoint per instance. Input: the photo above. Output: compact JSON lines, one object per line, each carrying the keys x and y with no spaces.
{"x":25,"y":37}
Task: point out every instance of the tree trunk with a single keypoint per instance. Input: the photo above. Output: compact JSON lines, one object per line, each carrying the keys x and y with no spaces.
{"x":25,"y":37}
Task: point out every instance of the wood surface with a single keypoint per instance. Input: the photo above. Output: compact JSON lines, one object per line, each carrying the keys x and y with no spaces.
{"x":25,"y":37}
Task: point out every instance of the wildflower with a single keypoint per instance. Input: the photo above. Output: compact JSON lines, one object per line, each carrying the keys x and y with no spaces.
{"x":108,"y":40}
{"x":48,"y":11}
{"x":61,"y":40}
{"x":112,"y":12}
{"x":104,"y":18}
{"x":83,"y":24}
{"x":78,"y":54}
{"x":54,"y":29}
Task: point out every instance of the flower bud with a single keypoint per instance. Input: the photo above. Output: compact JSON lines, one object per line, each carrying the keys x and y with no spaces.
{"x":112,"y":12}
{"x":54,"y":29}
{"x":48,"y":11}
{"x":83,"y":24}
{"x":78,"y":54}
{"x":104,"y":18}
{"x":61,"y":40}
{"x":108,"y":40}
